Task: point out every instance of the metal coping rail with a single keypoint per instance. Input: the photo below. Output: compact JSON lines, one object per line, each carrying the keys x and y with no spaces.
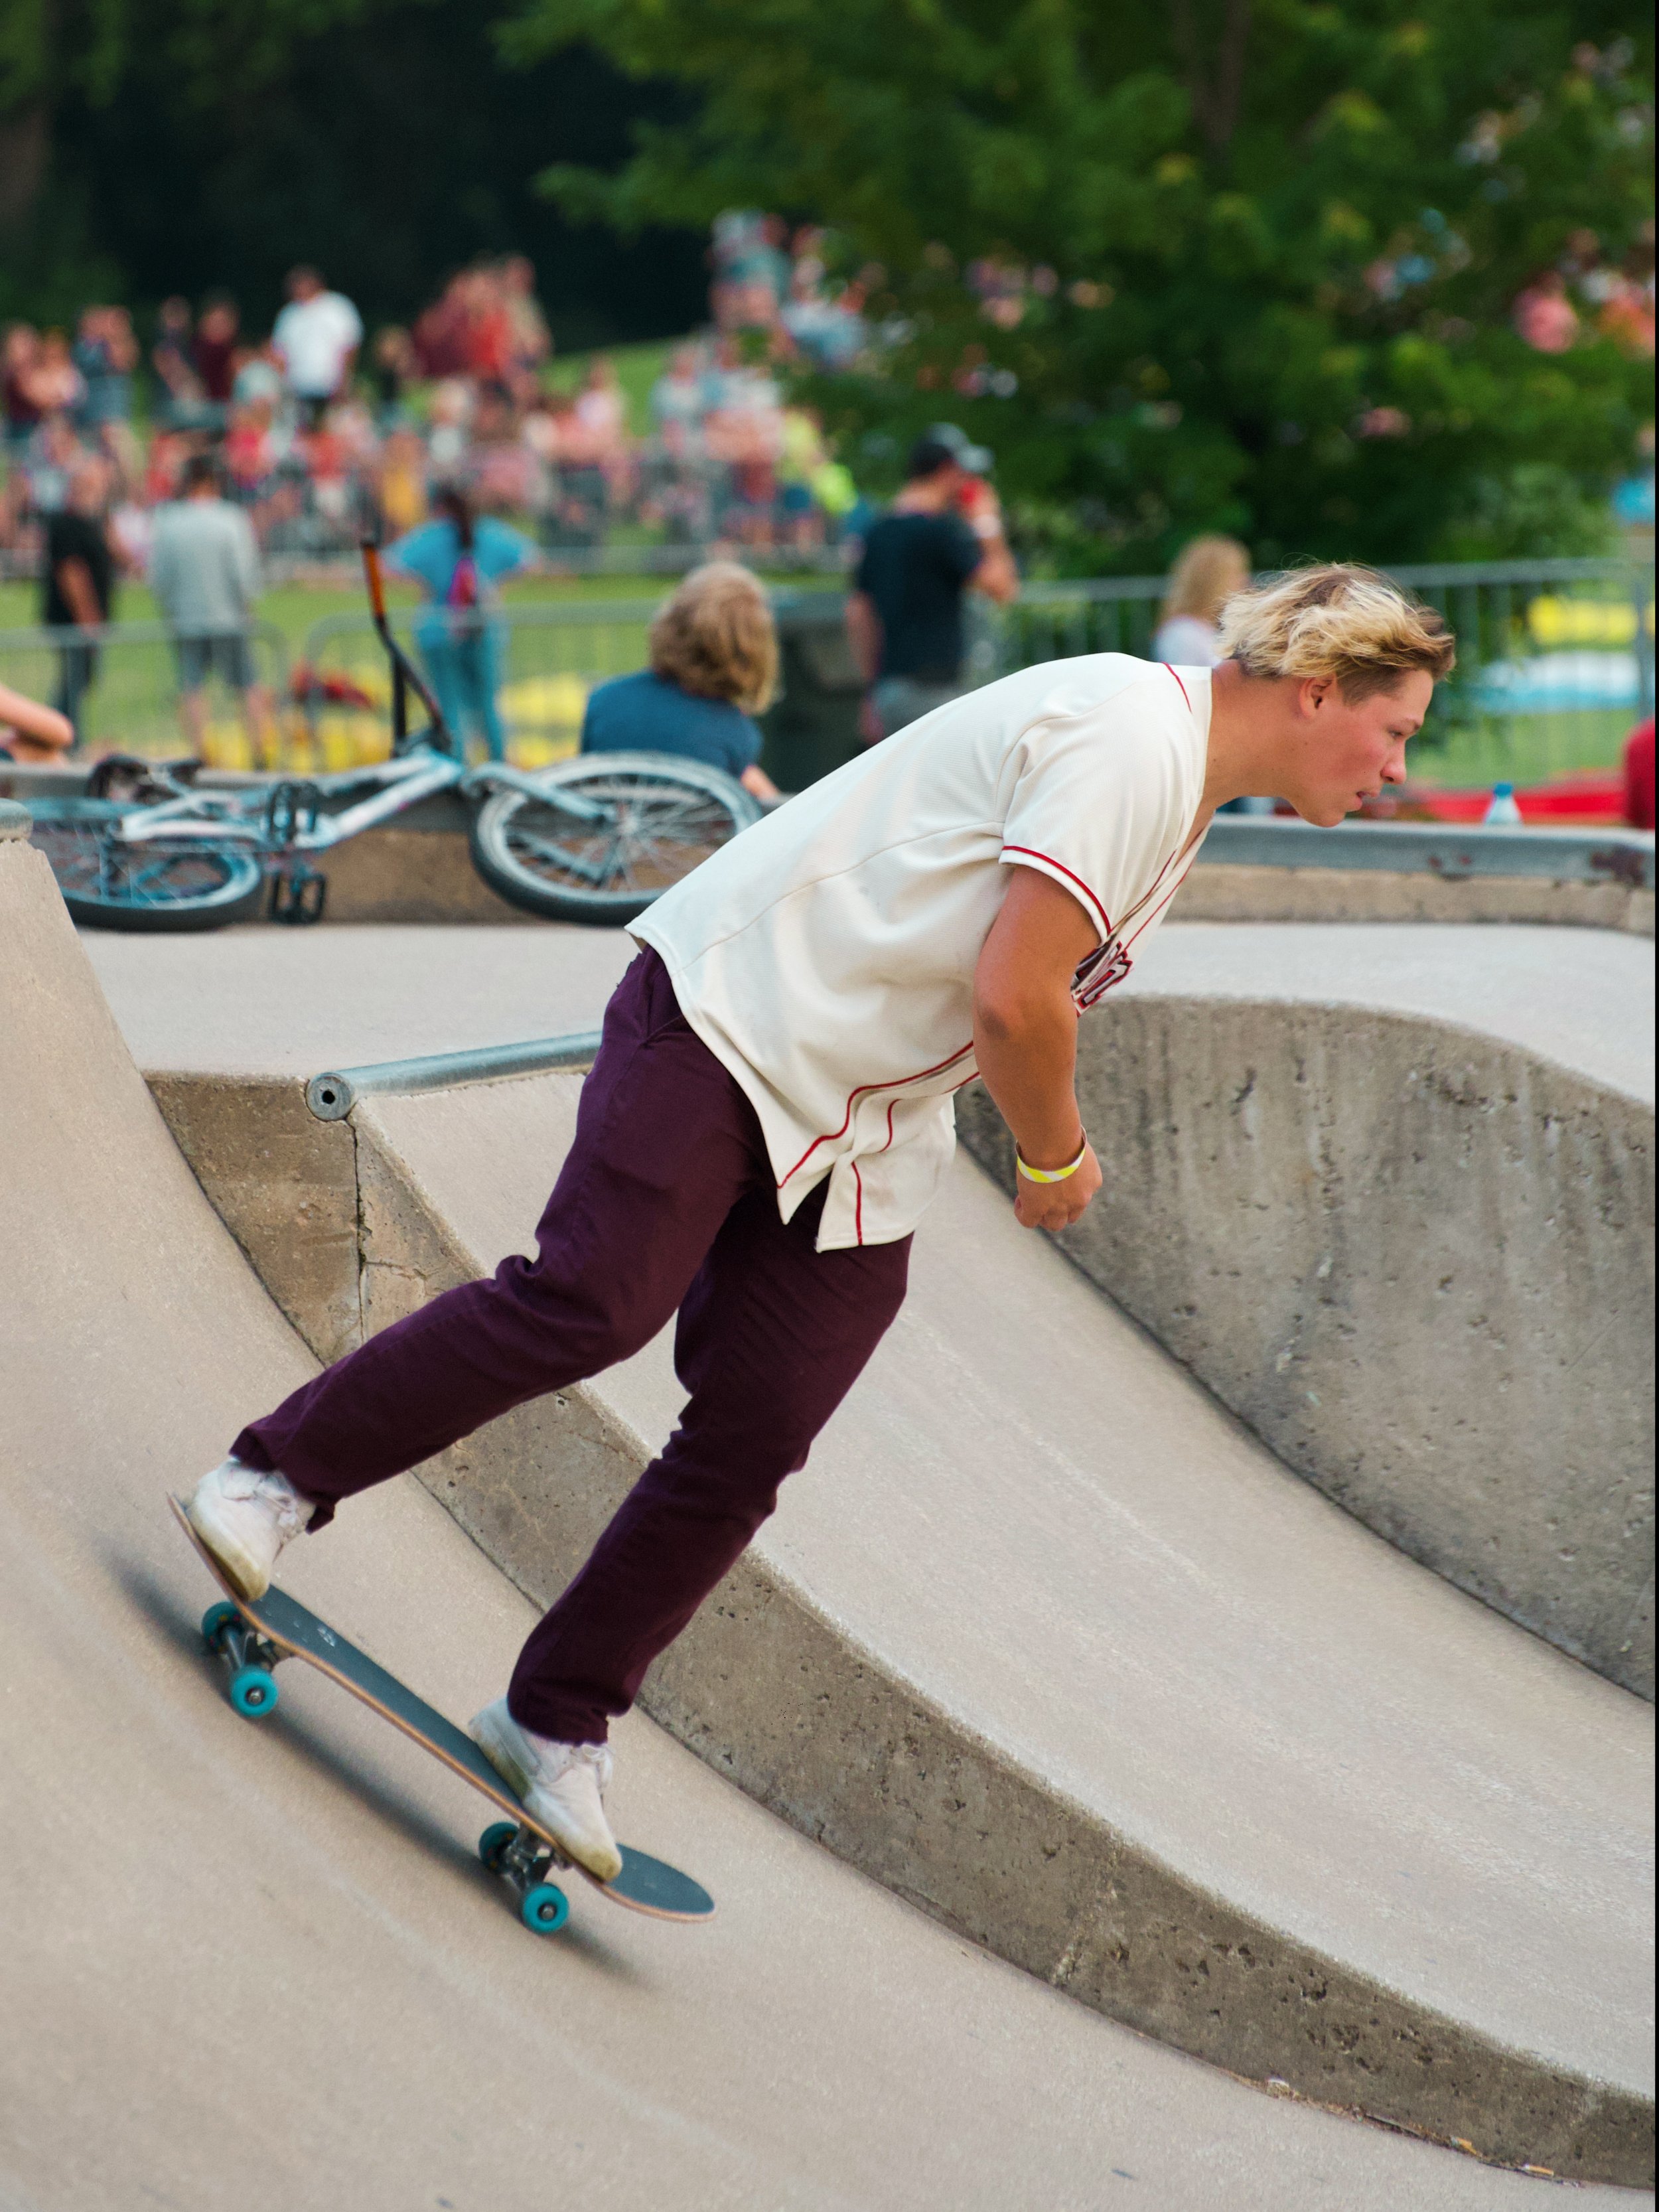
{"x":332,"y":1095}
{"x":1452,"y":850}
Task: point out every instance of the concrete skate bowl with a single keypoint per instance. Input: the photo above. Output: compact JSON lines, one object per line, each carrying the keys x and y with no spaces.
{"x":1051,"y":1647}
{"x":1072,"y":1665}
{"x":1417,"y":1262}
{"x":262,"y":1965}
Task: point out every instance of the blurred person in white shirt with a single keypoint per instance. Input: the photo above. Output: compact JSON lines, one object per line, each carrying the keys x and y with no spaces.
{"x":316,"y":338}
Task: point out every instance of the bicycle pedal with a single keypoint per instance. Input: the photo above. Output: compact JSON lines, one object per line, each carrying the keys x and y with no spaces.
{"x":298,"y":895}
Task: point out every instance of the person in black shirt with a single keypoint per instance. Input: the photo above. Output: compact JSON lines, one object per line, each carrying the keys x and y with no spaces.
{"x":941,"y":537}
{"x":78,"y":577}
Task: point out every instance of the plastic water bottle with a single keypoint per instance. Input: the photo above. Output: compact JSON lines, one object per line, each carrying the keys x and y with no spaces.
{"x":1503,"y":811}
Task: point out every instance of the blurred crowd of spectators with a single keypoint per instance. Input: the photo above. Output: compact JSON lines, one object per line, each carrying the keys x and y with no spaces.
{"x":320,"y":435}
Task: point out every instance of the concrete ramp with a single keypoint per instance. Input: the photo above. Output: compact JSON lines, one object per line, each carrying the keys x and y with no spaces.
{"x":1048,"y":1643}
{"x":260,"y":1965}
{"x":1042,"y":1639}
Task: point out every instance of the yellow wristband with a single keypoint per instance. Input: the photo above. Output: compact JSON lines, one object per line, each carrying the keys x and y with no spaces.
{"x":1050,"y":1175}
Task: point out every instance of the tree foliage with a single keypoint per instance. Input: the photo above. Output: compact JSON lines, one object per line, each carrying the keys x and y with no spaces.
{"x":1238,"y":263}
{"x":383,"y":139}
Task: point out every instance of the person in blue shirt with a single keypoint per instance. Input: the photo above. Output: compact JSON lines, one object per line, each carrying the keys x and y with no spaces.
{"x":460,"y":558}
{"x":713,"y":667}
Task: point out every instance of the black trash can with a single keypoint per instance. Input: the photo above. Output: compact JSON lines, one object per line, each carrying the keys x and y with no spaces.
{"x":813,"y":725}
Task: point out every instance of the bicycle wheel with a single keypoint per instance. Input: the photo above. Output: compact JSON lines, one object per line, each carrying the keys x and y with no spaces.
{"x":108,"y":883}
{"x":605,"y":833}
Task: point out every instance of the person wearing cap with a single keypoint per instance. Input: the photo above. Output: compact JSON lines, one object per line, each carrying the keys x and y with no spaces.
{"x":941,"y":537}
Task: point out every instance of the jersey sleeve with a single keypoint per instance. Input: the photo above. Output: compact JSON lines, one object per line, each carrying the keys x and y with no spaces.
{"x":1100,"y":804}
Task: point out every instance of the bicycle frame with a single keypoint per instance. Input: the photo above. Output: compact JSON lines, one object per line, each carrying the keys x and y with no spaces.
{"x":420,"y":773}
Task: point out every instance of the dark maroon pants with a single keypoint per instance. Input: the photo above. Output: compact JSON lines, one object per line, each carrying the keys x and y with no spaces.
{"x":666,"y":1200}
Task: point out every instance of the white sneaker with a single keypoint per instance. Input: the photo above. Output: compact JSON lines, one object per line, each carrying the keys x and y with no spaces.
{"x":245,"y":1517}
{"x":561,"y":1785}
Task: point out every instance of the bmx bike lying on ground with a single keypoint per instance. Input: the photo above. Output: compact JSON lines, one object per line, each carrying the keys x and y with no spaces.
{"x":593,"y":839}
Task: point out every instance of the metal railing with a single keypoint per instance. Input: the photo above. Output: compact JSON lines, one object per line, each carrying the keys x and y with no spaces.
{"x":1555,"y":662}
{"x":1555,"y":658}
{"x":548,"y":658}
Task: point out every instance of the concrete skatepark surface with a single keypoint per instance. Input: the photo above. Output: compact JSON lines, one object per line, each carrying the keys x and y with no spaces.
{"x":280,"y":1960}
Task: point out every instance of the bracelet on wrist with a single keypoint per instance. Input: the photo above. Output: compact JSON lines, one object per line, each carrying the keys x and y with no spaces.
{"x":1050,"y":1175}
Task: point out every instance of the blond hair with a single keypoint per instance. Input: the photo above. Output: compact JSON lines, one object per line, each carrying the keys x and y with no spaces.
{"x":1209,"y":571}
{"x":715,"y":637}
{"x":1339,"y":621}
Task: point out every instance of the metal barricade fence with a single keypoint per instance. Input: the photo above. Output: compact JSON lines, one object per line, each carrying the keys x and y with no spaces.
{"x":128,"y":680}
{"x":1555,"y":658}
{"x":548,"y":659}
{"x":1555,"y":663}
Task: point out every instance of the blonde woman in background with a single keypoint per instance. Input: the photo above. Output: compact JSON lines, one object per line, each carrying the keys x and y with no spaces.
{"x":713,"y":667}
{"x":1208,"y":572}
{"x":1207,"y":575}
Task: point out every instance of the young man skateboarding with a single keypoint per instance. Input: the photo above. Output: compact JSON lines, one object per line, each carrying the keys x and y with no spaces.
{"x":770,"y":1111}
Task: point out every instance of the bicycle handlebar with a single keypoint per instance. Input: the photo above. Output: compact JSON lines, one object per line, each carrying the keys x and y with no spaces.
{"x":376,"y":582}
{"x":404,"y":674}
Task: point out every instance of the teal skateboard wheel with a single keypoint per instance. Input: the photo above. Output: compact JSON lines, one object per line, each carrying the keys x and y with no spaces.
{"x":253,"y":1693}
{"x":494,"y":1841}
{"x":544,"y":1910}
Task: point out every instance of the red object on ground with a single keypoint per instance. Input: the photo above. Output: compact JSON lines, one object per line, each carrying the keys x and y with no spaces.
{"x":1594,"y":800}
{"x":1639,"y":776}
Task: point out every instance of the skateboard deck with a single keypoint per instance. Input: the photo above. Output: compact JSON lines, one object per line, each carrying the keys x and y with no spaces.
{"x":255,"y":1635}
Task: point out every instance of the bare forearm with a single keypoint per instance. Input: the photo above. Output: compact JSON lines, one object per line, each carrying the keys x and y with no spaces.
{"x":1025,"y":1040}
{"x":29,"y":719}
{"x":1027,"y":1057}
{"x":996,"y":575}
{"x":864,"y":635}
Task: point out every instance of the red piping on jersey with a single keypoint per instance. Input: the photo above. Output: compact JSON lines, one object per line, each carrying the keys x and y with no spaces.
{"x":1181,"y":687}
{"x":852,"y":1097}
{"x":858,"y":1203}
{"x":1049,"y":861}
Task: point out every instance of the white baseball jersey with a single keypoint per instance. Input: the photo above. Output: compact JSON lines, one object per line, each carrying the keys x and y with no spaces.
{"x":826,"y":955}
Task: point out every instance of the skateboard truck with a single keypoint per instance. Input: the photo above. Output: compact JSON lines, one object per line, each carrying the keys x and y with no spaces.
{"x":521,"y":1857}
{"x":252,"y":1659}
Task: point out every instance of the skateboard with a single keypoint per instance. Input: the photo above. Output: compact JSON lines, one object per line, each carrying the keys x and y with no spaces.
{"x":254,"y":1637}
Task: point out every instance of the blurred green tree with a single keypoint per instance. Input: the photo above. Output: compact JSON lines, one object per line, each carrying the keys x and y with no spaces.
{"x":182,"y":146}
{"x":1246,"y":265}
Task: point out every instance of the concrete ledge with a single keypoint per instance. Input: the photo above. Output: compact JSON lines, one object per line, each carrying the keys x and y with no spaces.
{"x":775,"y":1689}
{"x":1226,"y":891}
{"x":1256,"y":870}
{"x":1449,"y":850}
{"x":1444,"y":1246}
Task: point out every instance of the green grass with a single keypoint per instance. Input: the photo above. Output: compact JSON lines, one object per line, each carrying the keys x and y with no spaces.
{"x":1524,"y":749}
{"x":638,"y":367}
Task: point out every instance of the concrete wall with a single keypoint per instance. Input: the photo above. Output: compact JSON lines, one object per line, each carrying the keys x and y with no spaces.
{"x":1417,"y":1262}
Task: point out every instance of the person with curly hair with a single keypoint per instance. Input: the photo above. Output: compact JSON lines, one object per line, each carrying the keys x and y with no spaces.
{"x":713,"y":667}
